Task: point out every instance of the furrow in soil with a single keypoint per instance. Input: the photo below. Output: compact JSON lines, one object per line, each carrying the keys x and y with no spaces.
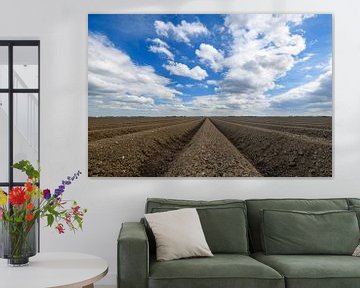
{"x":278,"y":153}
{"x":210,"y":153}
{"x":145,"y":153}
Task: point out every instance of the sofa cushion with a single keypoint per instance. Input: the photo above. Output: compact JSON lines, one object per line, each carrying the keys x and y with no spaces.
{"x":313,"y":271}
{"x":222,"y":270}
{"x":178,"y":234}
{"x":223,"y":221}
{"x":353,"y":201}
{"x":297,"y":232}
{"x":356,"y":209}
{"x":255,"y":206}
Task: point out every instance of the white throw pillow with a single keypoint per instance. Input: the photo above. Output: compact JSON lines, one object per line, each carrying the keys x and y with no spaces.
{"x":357,"y":251}
{"x":178,"y":234}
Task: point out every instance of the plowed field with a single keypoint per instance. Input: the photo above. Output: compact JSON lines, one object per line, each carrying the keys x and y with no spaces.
{"x":215,"y":146}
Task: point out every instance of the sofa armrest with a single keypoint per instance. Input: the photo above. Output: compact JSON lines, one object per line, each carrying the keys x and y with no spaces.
{"x":133,"y":256}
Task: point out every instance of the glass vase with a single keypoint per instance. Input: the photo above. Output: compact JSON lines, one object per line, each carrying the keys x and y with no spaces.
{"x":18,"y":242}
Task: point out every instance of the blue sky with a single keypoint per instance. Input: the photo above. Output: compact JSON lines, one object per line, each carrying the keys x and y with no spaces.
{"x":245,"y":64}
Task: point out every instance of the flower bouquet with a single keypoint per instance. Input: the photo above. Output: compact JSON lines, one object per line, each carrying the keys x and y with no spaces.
{"x":21,"y":208}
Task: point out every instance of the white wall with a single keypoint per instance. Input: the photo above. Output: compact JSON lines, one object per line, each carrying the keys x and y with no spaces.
{"x":61,"y":25}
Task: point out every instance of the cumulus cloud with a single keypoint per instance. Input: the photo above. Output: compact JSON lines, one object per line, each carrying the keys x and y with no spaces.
{"x":257,"y":50}
{"x":263,"y":50}
{"x":229,"y":104}
{"x":161,"y":47}
{"x":181,"y":69}
{"x":116,"y":82}
{"x":314,"y":96}
{"x":210,"y":56}
{"x":181,"y":32}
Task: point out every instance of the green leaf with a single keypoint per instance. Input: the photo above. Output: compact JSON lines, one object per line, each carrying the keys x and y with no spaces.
{"x":26,"y":167}
{"x":52,"y":211}
{"x":50,"y":219}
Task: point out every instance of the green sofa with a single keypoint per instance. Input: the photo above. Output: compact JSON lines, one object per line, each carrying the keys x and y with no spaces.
{"x":233,"y":231}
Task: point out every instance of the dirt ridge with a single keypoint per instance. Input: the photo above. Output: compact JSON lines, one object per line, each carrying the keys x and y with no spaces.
{"x":210,"y":147}
{"x":210,"y":153}
{"x":136,"y":154}
{"x":280,"y":154}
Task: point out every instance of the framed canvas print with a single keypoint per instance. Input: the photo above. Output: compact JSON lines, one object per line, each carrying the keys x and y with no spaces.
{"x":210,"y":95}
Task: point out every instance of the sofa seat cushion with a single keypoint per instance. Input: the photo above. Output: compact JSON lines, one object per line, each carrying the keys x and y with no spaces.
{"x":222,"y":270}
{"x":313,"y":271}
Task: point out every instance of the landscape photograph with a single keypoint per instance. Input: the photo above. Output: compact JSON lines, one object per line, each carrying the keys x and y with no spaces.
{"x":210,"y":95}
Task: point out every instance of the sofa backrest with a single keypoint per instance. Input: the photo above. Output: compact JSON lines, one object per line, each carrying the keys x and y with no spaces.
{"x":223,"y":221}
{"x":256,"y":205}
{"x":353,"y":202}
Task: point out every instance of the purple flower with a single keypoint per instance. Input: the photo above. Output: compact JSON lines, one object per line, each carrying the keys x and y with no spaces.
{"x":46,"y":194}
{"x":64,"y":183}
{"x":58,"y":192}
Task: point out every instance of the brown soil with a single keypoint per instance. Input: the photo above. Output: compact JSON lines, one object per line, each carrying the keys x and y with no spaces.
{"x":98,"y":134}
{"x":145,"y":153}
{"x":217,"y":146}
{"x":296,"y":128}
{"x":210,"y":153}
{"x":305,"y":121}
{"x":96,"y":123}
{"x":277,"y":153}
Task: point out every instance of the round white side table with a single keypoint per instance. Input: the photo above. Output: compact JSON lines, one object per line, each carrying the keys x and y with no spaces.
{"x":50,"y":270}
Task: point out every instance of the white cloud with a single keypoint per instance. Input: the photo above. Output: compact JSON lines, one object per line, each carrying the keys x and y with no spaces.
{"x":181,"y":32}
{"x":315,"y":95}
{"x":324,"y":66}
{"x":202,"y":85}
{"x":263,"y":50}
{"x":279,"y":86}
{"x":181,"y":69}
{"x":312,"y":98}
{"x":212,"y":82}
{"x":307,"y":68}
{"x":228,"y":105}
{"x":161,"y":47}
{"x":118,"y":83}
{"x":295,"y":19}
{"x":210,"y":56}
{"x":260,"y":49}
{"x":307,"y":57}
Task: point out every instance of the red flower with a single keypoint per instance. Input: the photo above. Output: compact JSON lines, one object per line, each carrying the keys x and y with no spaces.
{"x":17,"y":196}
{"x":68,"y":219}
{"x":29,"y":186}
{"x":60,"y":228}
{"x":29,"y":217}
{"x":75,"y":209}
{"x":29,"y":206}
{"x":27,"y":196}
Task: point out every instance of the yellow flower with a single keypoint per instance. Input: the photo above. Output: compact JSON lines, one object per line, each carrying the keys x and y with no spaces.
{"x":3,"y":198}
